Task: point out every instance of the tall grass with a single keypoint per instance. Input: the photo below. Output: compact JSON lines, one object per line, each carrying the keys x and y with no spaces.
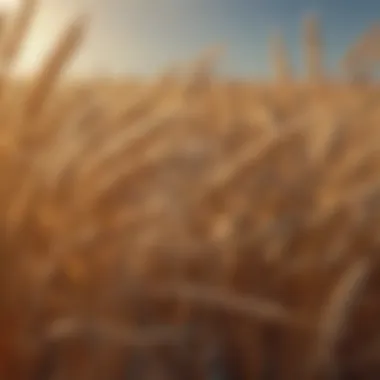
{"x":186,"y":228}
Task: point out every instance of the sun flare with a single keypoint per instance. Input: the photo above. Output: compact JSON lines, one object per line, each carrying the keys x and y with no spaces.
{"x":8,"y":4}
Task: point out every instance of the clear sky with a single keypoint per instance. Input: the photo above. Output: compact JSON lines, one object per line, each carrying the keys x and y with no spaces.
{"x":145,"y":36}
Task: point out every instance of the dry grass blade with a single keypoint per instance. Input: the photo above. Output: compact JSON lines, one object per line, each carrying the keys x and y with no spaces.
{"x":282,"y":66}
{"x":201,"y":71}
{"x":15,"y":33}
{"x":336,"y":313}
{"x":50,"y":71}
{"x":147,"y":337}
{"x":249,"y":306}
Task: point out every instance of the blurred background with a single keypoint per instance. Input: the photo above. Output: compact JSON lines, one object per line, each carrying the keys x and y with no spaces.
{"x":141,"y":37}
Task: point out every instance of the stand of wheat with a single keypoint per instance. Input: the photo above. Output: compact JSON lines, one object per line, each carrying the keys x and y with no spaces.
{"x":188,"y":227}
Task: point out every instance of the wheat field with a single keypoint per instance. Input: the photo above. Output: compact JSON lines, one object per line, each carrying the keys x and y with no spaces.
{"x":187,"y":227}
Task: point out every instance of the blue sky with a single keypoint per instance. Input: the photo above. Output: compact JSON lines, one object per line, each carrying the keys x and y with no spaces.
{"x":143,"y":37}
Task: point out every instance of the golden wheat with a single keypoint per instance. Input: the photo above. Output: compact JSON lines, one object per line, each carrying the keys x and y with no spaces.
{"x":186,"y":227}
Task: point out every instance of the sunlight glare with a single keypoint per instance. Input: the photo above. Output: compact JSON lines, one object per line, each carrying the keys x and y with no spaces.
{"x":6,"y":5}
